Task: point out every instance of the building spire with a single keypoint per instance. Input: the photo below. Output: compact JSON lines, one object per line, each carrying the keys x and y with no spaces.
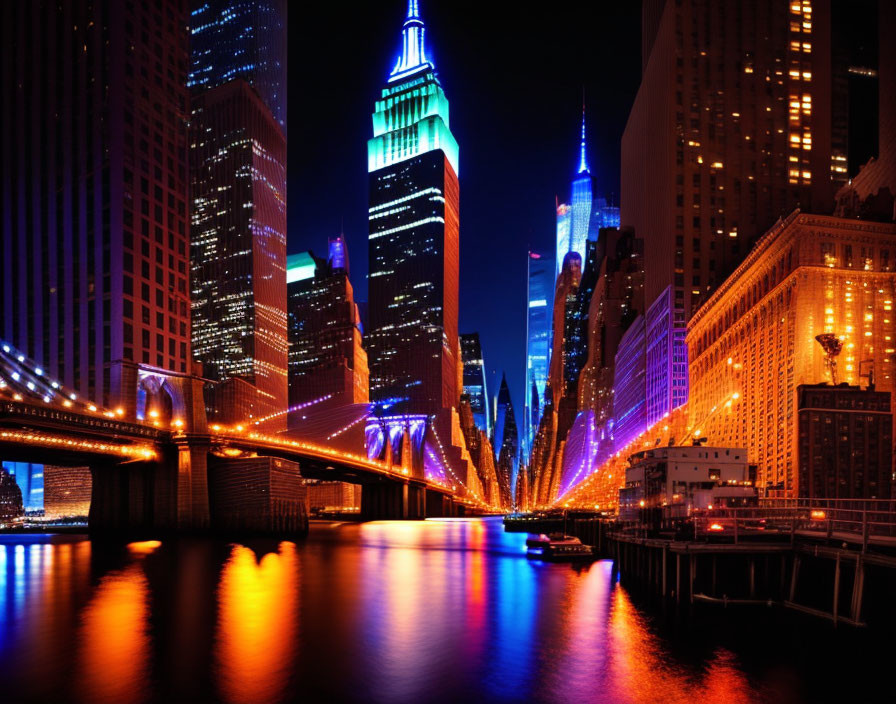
{"x":413,"y":50}
{"x":583,"y":160}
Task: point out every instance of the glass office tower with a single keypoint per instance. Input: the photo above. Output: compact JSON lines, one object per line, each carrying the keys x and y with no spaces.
{"x":538,"y":342}
{"x":241,"y":39}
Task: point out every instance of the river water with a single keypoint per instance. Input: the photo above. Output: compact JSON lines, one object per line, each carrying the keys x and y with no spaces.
{"x":433,"y":611}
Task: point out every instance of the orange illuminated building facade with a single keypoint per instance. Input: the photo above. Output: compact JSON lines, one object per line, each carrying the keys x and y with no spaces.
{"x":753,"y":342}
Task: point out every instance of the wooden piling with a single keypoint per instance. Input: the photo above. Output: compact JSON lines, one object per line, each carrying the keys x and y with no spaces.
{"x":836,"y":589}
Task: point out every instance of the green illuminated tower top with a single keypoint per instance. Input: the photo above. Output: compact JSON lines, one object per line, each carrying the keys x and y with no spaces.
{"x":411,"y":117}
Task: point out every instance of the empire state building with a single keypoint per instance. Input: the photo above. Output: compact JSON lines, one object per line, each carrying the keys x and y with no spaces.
{"x":412,"y":161}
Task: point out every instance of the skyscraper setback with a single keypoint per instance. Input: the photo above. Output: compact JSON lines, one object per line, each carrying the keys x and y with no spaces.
{"x":93,"y":191}
{"x":414,"y":252}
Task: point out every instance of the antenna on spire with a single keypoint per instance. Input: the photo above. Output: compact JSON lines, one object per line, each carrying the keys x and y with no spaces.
{"x":583,"y":160}
{"x":413,"y":50}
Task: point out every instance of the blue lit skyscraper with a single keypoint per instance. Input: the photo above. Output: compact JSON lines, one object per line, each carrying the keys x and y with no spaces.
{"x":575,"y":222}
{"x":538,"y":342}
{"x":414,"y":250}
{"x":30,"y":479}
{"x":603,"y":215}
{"x":581,"y":201}
{"x":241,"y":39}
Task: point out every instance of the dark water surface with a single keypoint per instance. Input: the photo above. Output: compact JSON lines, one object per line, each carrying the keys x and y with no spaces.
{"x":434,"y":611}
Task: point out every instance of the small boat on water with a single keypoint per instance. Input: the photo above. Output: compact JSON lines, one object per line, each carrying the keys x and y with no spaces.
{"x":558,"y":547}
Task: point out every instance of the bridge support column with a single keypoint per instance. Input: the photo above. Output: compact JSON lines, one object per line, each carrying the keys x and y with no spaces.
{"x":123,"y":498}
{"x":384,"y":501}
{"x":416,"y":502}
{"x":439,"y":505}
{"x":192,"y":485}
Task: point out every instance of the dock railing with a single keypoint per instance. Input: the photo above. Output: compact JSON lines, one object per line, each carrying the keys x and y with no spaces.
{"x":850,"y":520}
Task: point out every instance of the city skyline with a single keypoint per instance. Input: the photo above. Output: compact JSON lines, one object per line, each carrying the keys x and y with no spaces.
{"x":489,"y":233}
{"x":600,"y":411}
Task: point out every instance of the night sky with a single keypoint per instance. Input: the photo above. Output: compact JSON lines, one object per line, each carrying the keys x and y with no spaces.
{"x":514,"y":79}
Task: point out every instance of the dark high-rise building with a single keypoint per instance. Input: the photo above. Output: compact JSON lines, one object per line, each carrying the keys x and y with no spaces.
{"x":10,"y":497}
{"x":854,"y":86}
{"x":730,"y":130}
{"x":241,"y":39}
{"x":505,"y":443}
{"x":474,"y":380}
{"x":617,"y":301}
{"x":414,"y":251}
{"x":576,"y":323}
{"x":238,"y":251}
{"x":93,"y":142}
{"x":327,"y":362}
{"x":845,"y":444}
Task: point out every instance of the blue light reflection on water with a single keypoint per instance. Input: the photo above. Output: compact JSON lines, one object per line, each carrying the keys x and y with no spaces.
{"x":434,"y":611}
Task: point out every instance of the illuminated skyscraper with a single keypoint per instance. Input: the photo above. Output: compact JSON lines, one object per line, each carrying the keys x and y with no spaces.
{"x":581,"y":201}
{"x":731,"y":128}
{"x":30,"y":478}
{"x":575,"y":222}
{"x":238,"y":251}
{"x":753,"y":343}
{"x":414,"y":254}
{"x":241,"y":39}
{"x":94,"y":228}
{"x":630,"y":385}
{"x":327,"y":362}
{"x":474,"y":380}
{"x":538,"y":342}
{"x":667,"y":357}
{"x":603,"y":215}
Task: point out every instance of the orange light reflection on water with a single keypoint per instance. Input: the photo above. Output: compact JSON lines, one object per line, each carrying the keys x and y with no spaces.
{"x":144,"y":547}
{"x":641,"y":673}
{"x":257,"y":635}
{"x":114,"y":639}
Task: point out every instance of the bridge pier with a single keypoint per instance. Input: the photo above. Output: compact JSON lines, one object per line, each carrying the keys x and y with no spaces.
{"x":132,"y":498}
{"x":391,"y":501}
{"x":439,"y":505}
{"x":192,"y":485}
{"x":167,"y":494}
{"x":384,"y":501}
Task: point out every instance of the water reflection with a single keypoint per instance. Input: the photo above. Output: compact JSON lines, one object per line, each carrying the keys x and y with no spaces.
{"x":641,"y":673}
{"x":438,"y":611}
{"x":258,"y":624}
{"x":114,"y":639}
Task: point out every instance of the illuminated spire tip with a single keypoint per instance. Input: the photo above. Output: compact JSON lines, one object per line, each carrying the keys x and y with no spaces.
{"x":583,"y":160}
{"x":413,"y":50}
